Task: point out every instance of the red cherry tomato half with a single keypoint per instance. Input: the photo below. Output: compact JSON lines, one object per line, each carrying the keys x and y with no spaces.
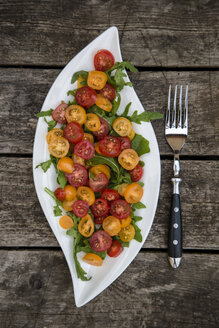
{"x":100,"y":241}
{"x":73,"y":132}
{"x":110,"y":194}
{"x":103,"y":130}
{"x":59,"y":113}
{"x":84,"y":149}
{"x":125,"y":143}
{"x":115,"y":249}
{"x":110,"y":146}
{"x":60,"y":194}
{"x":78,"y":177}
{"x":100,"y":208}
{"x":120,"y":209}
{"x":86,"y":97}
{"x":136,"y":173}
{"x":80,"y":208}
{"x":99,"y":182}
{"x":109,"y":92}
{"x":103,"y":60}
{"x":100,"y":219}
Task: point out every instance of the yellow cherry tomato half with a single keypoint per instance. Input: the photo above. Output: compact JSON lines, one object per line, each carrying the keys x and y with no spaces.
{"x":125,"y":222}
{"x":80,"y":79}
{"x":75,"y":113}
{"x":128,"y":233}
{"x":101,"y":168}
{"x":122,"y":126}
{"x":67,"y":204}
{"x":133,"y":193}
{"x":77,"y":159}
{"x":122,"y":188}
{"x":131,"y":135}
{"x":54,"y":133}
{"x":66,"y":222}
{"x":86,"y":226}
{"x":70,"y":192}
{"x":65,"y":164}
{"x":92,"y":259}
{"x":86,"y":193}
{"x":104,"y":103}
{"x":58,"y":147}
{"x":89,"y":137}
{"x":92,"y":122}
{"x":111,"y":225}
{"x":96,"y":80}
{"x":128,"y":159}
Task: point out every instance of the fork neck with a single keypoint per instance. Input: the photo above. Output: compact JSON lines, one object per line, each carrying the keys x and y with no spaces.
{"x":176,"y":164}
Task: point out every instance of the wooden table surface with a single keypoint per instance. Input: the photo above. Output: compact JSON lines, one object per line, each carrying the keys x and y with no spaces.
{"x":170,"y":42}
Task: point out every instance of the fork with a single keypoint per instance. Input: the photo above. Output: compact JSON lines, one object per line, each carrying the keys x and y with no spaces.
{"x":176,"y":131}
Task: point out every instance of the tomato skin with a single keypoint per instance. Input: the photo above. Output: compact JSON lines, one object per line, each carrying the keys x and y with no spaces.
{"x":115,"y":249}
{"x":80,"y":208}
{"x":110,"y":194}
{"x":53,"y":133}
{"x":127,"y":233}
{"x":120,"y":208}
{"x":128,"y":159}
{"x":66,"y":222}
{"x":96,"y":80}
{"x":133,"y":193}
{"x":103,"y":103}
{"x":111,"y":225}
{"x":125,"y":143}
{"x":122,"y":126}
{"x":92,"y":122}
{"x":100,"y":241}
{"x":58,"y":147}
{"x":110,"y":146}
{"x":103,"y":130}
{"x":78,"y":177}
{"x":59,"y":113}
{"x":136,"y":173}
{"x":125,"y":222}
{"x":86,"y":97}
{"x":73,"y":132}
{"x":100,"y":208}
{"x":60,"y":194}
{"x":86,"y":193}
{"x":99,"y":220}
{"x":101,"y":168}
{"x":89,"y":137}
{"x":93,"y":259}
{"x":65,"y":164}
{"x":75,"y":113}
{"x":70,"y":192}
{"x":109,"y":92}
{"x":103,"y":60}
{"x":99,"y":182}
{"x":84,"y":149}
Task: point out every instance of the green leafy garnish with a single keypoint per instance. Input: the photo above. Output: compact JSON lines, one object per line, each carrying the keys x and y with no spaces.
{"x":141,"y":163}
{"x":45,"y":165}
{"x":115,"y":105}
{"x":71,"y":92}
{"x":45,"y":113}
{"x":123,"y":243}
{"x":136,"y":218}
{"x":61,"y":179}
{"x":144,"y":117}
{"x":138,"y":235}
{"x":138,"y":206}
{"x":140,"y":145}
{"x":123,"y":65}
{"x":51,"y":124}
{"x":99,"y":159}
{"x":57,"y":211}
{"x":76,"y":75}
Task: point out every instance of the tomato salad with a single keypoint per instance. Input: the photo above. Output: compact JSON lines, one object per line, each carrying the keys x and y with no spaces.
{"x":96,"y":153}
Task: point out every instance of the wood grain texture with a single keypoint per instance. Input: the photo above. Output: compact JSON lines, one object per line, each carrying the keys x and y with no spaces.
{"x":23,"y":92}
{"x":36,"y":291}
{"x":24,"y":224}
{"x":158,"y":33}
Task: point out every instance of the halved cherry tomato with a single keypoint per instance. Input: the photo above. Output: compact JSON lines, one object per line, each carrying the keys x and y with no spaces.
{"x":100,"y":219}
{"x":67,"y":204}
{"x":84,"y":149}
{"x":110,"y":146}
{"x":100,"y":207}
{"x":79,"y":84}
{"x":131,"y":135}
{"x":136,"y":173}
{"x":75,"y":113}
{"x":128,"y":159}
{"x":65,"y":164}
{"x":78,"y":159}
{"x":133,"y":193}
{"x":78,"y":177}
{"x":86,"y":193}
{"x":70,"y":192}
{"x":80,"y":208}
{"x":103,"y":60}
{"x":109,"y":92}
{"x":120,"y":209}
{"x":86,"y":97}
{"x":111,"y":225}
{"x":97,"y":148}
{"x":122,"y":188}
{"x":58,"y":147}
{"x":99,"y":182}
{"x":115,"y":249}
{"x":101,"y":168}
{"x":103,"y":103}
{"x":92,"y":259}
{"x":89,"y":137}
{"x":103,"y":130}
{"x":125,"y":143}
{"x":60,"y":194}
{"x":54,"y":133}
{"x":96,"y":80}
{"x":86,"y":226}
{"x":110,"y":194}
{"x":127,"y":233}
{"x":100,"y":241}
{"x":125,"y":222}
{"x":73,"y":132}
{"x":122,"y":126}
{"x":92,"y":122}
{"x":66,"y":222}
{"x":59,"y":113}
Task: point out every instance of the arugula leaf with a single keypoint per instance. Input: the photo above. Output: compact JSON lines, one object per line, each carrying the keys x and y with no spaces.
{"x":100,"y":112}
{"x":51,"y":124}
{"x":140,"y":145}
{"x":137,"y":218}
{"x":115,"y":105}
{"x":123,"y":243}
{"x":72,"y":92}
{"x":125,"y":113}
{"x":57,"y":211}
{"x":45,"y":113}
{"x":141,"y":163}
{"x":138,"y":235}
{"x":61,"y":179}
{"x":99,"y":159}
{"x":140,"y":183}
{"x":84,"y":246}
{"x":138,"y":206}
{"x":76,"y":75}
{"x":80,"y":271}
{"x":45,"y":165}
{"x":122,"y":65}
{"x":144,"y":117}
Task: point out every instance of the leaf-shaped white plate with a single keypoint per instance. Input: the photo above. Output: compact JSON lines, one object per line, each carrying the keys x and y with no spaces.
{"x":103,"y":276}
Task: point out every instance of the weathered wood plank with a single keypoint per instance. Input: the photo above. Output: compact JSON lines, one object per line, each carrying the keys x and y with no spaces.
{"x":36,"y":291}
{"x":159,"y":33}
{"x":24,"y":224}
{"x":23,"y":92}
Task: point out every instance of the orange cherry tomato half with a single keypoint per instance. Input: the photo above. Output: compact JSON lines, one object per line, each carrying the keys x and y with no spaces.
{"x":104,"y":103}
{"x":78,"y":159}
{"x":101,"y":168}
{"x":66,"y":222}
{"x":111,"y":225}
{"x":67,"y":204}
{"x":128,"y":159}
{"x":75,"y":113}
{"x":70,"y":192}
{"x":89,"y":137}
{"x":131,"y":135}
{"x":86,"y":193}
{"x":133,"y":193}
{"x":93,"y":259}
{"x":125,"y":222}
{"x":96,"y":80}
{"x":58,"y":147}
{"x":65,"y":164}
{"x":86,"y":226}
{"x":127,"y":233}
{"x":97,"y":148}
{"x":93,"y":122}
{"x":54,"y":133}
{"x":122,"y":126}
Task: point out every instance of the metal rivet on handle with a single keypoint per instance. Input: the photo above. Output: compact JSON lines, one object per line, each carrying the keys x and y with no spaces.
{"x":175,"y":242}
{"x":175,"y":225}
{"x":176,"y":209}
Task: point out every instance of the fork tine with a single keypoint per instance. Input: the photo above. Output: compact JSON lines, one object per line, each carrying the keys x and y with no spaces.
{"x":168,"y":110}
{"x":180,"y":109}
{"x":185,"y":126}
{"x":174,"y":109}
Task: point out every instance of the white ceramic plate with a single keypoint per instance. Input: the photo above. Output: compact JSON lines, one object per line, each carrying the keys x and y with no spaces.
{"x":103,"y":276}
